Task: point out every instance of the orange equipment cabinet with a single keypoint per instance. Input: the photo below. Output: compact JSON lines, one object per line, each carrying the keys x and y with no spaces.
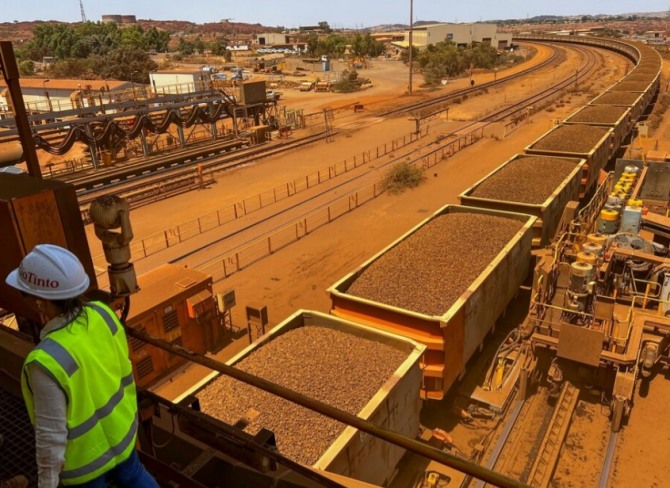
{"x":174,"y":304}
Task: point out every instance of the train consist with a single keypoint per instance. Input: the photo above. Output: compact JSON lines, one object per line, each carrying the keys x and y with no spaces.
{"x":564,"y":165}
{"x":431,"y":298}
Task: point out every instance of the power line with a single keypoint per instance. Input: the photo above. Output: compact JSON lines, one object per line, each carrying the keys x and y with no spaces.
{"x":83,"y":14}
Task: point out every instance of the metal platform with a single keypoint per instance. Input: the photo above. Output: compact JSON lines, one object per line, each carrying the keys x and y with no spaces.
{"x":17,"y":453}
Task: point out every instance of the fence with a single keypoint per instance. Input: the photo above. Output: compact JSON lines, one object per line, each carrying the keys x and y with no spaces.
{"x":154,"y":243}
{"x":236,"y":261}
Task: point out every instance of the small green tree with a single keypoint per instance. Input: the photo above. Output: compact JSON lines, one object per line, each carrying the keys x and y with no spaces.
{"x":26,"y":68}
{"x":402,"y":176}
{"x":347,"y":83}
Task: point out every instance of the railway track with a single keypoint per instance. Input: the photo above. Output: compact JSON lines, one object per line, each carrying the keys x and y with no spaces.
{"x":349,"y":183}
{"x":172,"y":166}
{"x":449,"y":97}
{"x":543,"y":443}
{"x":169,"y":175}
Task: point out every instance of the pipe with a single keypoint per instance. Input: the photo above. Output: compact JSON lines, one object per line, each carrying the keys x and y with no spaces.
{"x":10,"y":72}
{"x":405,"y":442}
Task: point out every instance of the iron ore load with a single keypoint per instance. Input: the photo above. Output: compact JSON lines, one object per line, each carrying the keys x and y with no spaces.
{"x":363,"y":371}
{"x":582,"y":141}
{"x":536,"y":185}
{"x":442,"y":284}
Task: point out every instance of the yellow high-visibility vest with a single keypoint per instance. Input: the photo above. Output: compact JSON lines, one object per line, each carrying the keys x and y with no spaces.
{"x":88,"y":358}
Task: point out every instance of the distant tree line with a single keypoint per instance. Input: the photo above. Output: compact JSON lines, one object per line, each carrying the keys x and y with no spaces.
{"x":94,"y":50}
{"x":336,"y":45}
{"x":446,"y":59}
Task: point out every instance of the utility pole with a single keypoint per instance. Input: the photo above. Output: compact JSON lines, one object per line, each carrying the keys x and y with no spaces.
{"x":411,"y":32}
{"x":81,"y":7}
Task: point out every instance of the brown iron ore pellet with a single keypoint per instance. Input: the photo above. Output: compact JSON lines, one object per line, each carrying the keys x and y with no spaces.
{"x":338,"y":368}
{"x":616,"y":98}
{"x":526,"y":180}
{"x":632,"y":86}
{"x":648,"y":77}
{"x":429,"y":270}
{"x":600,"y":114}
{"x":571,"y":138}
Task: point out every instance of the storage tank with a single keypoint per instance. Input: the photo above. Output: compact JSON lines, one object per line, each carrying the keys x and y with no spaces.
{"x":128,"y":19}
{"x":116,"y":19}
{"x":455,"y":276}
{"x":577,"y":141}
{"x":534,"y":185}
{"x":373,"y":374}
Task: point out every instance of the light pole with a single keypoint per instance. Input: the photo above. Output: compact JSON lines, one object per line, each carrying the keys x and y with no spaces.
{"x":132,"y":81}
{"x":411,"y":45}
{"x":46,"y":94}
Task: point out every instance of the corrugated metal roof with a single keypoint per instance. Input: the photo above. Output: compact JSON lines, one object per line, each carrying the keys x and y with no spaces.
{"x":53,"y":84}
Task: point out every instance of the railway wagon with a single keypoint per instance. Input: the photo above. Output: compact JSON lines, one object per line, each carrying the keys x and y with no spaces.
{"x":453,"y":334}
{"x":634,"y":101}
{"x":395,"y":405}
{"x":647,"y":88}
{"x":594,"y":144}
{"x":618,"y":118}
{"x":525,"y":185}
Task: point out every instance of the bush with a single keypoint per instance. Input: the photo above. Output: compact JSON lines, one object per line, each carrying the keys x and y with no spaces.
{"x":348,"y":83}
{"x":26,"y":68}
{"x":402,"y":176}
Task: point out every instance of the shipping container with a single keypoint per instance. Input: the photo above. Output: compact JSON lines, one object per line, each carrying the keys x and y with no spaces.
{"x":548,"y":212}
{"x":596,"y":158}
{"x":395,"y":406}
{"x":454,"y":336}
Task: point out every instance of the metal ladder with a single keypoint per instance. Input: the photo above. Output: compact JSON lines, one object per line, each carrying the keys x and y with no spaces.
{"x":547,"y":456}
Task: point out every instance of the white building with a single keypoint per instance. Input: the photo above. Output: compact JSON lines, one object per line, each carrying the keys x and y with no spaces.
{"x":44,"y":95}
{"x":164,"y":82}
{"x":460,"y":34}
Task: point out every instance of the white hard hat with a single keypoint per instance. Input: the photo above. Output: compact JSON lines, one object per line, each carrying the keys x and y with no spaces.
{"x":50,"y":272}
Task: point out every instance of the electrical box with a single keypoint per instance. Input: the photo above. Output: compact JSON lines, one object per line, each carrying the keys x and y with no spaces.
{"x":174,"y":304}
{"x":253,"y":92}
{"x":35,"y":211}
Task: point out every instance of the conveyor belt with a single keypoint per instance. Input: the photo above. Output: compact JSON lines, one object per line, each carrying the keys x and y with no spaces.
{"x":17,"y":453}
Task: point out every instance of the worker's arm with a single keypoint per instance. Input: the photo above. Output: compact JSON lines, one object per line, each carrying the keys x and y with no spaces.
{"x":50,"y":426}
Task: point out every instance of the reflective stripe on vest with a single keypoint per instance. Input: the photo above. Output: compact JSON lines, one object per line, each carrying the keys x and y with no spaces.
{"x":106,"y":457}
{"x":103,"y":411}
{"x":105,"y":315}
{"x":88,"y":360}
{"x":60,"y":354}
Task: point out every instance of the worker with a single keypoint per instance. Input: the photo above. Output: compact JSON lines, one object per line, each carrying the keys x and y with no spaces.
{"x":78,"y":381}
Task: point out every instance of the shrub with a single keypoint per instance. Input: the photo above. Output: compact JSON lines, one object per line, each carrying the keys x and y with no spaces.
{"x":402,"y":176}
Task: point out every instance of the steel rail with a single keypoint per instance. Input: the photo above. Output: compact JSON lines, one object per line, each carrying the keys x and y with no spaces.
{"x":170,"y":173}
{"x":467,"y":91}
{"x":366,"y":426}
{"x":180,"y":160}
{"x":609,"y":461}
{"x":414,"y":154}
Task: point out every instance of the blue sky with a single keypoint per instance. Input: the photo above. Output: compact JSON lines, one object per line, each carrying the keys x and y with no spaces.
{"x":340,"y":13}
